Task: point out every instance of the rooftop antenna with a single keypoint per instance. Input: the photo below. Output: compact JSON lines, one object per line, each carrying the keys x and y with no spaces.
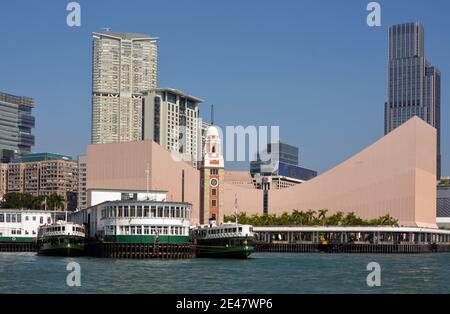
{"x":212,"y":114}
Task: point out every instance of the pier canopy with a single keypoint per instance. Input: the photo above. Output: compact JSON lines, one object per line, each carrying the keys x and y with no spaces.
{"x":358,"y":235}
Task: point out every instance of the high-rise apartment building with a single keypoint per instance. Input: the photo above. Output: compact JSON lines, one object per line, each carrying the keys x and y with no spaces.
{"x":171,"y":119}
{"x":44,"y":174}
{"x":124,"y":65}
{"x":16,"y":123}
{"x":3,"y":179}
{"x":414,"y":85}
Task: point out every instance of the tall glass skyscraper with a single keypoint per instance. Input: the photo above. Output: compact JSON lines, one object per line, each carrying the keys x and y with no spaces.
{"x":16,"y":123}
{"x":414,"y":85}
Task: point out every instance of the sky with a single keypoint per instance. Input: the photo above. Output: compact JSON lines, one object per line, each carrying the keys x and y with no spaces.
{"x":314,"y":68}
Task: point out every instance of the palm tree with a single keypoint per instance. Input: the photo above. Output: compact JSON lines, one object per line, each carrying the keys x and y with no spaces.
{"x":323,"y":216}
{"x":310,"y":216}
{"x":55,"y":201}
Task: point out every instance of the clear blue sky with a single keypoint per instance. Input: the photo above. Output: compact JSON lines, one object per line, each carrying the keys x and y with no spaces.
{"x":313,"y":67}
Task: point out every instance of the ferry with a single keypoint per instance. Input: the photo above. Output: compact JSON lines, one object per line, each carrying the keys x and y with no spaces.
{"x":61,"y":239}
{"x":228,"y":240}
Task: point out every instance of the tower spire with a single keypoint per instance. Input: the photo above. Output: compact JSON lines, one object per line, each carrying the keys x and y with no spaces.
{"x":212,"y":114}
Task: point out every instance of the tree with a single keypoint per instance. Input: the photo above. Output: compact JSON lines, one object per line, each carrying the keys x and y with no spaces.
{"x":323,"y":216}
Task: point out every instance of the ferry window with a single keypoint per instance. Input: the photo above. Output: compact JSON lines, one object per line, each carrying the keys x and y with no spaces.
{"x":127,"y":229}
{"x":146,"y":211}
{"x":2,"y":218}
{"x":138,"y":229}
{"x":172,"y":212}
{"x":27,"y":218}
{"x":26,"y":232}
{"x":133,"y":229}
{"x":41,"y":220}
{"x":139,"y":211}
{"x":177,"y":214}
{"x":13,"y":232}
{"x":120,"y":211}
{"x":176,"y":230}
{"x":166,"y":231}
{"x":214,"y":192}
{"x":63,"y":228}
{"x":13,"y":218}
{"x":234,"y":229}
{"x":126,"y":212}
{"x":166,"y":211}
{"x":34,"y":232}
{"x":8,"y":217}
{"x":19,"y":217}
{"x":48,"y":219}
{"x":160,"y":211}
{"x":19,"y":231}
{"x":34,"y":218}
{"x":159,"y":229}
{"x":240,"y":229}
{"x":152,"y":230}
{"x":146,"y":230}
{"x":153,"y":212}
{"x":133,"y":211}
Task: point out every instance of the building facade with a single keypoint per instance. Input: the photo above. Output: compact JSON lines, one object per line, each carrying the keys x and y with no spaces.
{"x":124,"y":65}
{"x":414,"y":85}
{"x":171,"y":119}
{"x":137,"y":221}
{"x":277,"y":167}
{"x":22,"y":225}
{"x":396,"y":175}
{"x":3,"y":179}
{"x":16,"y":124}
{"x":45,"y":174}
{"x":443,"y":206}
{"x":82,"y":202}
{"x":142,"y":166}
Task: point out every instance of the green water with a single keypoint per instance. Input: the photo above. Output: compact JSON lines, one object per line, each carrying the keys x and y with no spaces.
{"x":262,"y":273}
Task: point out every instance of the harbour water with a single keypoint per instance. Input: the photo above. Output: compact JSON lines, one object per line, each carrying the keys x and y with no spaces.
{"x":262,"y":273}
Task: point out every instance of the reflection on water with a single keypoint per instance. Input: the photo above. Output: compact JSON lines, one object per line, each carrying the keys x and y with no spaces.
{"x":262,"y":273}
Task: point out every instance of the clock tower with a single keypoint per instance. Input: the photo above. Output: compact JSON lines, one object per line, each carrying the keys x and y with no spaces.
{"x":211,"y":177}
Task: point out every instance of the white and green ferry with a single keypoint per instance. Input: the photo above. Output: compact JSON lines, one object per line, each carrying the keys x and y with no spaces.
{"x":21,"y":226}
{"x":61,"y":239}
{"x":228,"y":240}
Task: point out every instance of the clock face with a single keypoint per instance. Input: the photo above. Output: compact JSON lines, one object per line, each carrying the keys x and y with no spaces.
{"x":214,"y":182}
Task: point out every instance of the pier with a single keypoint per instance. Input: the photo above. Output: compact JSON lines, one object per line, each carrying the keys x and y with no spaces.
{"x":379,"y":240}
{"x":141,"y":250}
{"x":18,"y":247}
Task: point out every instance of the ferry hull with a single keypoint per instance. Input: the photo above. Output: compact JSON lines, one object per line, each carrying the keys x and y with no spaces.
{"x":223,"y":252}
{"x":64,"y":251}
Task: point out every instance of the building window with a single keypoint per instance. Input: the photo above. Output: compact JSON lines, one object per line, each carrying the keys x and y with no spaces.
{"x":214,"y":192}
{"x":213,"y":203}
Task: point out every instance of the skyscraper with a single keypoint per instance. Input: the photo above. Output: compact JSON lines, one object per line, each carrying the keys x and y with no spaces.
{"x":16,"y":122}
{"x":414,"y":85}
{"x":124,"y":65}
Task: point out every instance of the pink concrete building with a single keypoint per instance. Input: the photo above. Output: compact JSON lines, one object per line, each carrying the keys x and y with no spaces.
{"x":396,"y":176}
{"x":123,"y":166}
